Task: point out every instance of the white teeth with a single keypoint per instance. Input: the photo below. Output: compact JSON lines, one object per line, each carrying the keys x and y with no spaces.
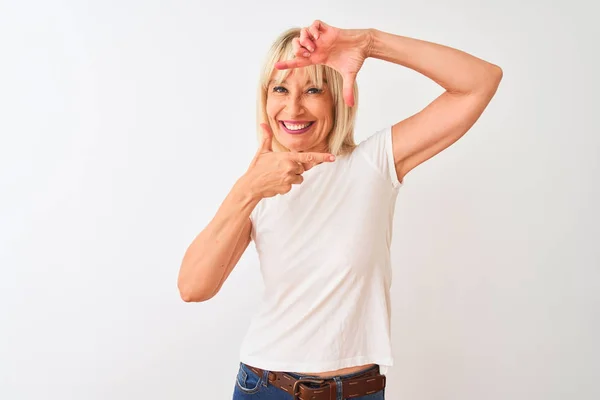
{"x":295,"y":127}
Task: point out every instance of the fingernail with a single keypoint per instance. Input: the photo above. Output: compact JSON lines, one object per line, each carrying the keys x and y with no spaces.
{"x":307,"y":54}
{"x":332,"y":158}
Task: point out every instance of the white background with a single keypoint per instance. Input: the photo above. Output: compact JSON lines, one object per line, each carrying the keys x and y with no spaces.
{"x":125,"y":123}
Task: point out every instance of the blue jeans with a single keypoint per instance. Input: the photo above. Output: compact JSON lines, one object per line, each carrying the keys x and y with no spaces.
{"x":250,"y":386}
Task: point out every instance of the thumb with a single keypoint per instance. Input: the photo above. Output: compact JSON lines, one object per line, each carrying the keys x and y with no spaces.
{"x":267,"y":142}
{"x":349,"y":80}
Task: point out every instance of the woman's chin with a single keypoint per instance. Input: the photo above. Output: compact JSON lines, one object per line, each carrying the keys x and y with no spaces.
{"x":296,"y":144}
{"x":295,"y":148}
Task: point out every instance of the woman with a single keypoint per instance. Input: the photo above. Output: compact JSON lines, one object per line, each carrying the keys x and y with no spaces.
{"x":322,"y":330}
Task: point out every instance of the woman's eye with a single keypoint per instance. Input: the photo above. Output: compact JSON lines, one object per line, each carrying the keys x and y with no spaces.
{"x":281,"y":89}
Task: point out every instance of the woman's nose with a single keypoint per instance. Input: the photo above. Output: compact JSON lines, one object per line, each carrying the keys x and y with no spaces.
{"x":294,"y":105}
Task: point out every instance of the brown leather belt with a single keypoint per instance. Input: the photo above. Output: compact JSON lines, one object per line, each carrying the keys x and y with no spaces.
{"x":369,"y":382}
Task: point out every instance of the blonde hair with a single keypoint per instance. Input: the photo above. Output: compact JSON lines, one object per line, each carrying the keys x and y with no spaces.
{"x":341,"y":137}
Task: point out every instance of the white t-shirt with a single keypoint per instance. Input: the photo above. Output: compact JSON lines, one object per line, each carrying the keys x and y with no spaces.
{"x":324,"y":252}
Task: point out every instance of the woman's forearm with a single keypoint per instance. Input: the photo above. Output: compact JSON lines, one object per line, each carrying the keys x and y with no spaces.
{"x":454,"y":70}
{"x":207,"y":257}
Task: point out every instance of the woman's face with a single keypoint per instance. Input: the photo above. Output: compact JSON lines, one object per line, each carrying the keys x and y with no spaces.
{"x":300,"y":113}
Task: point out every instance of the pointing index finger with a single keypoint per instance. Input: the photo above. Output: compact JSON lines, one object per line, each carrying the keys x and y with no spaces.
{"x":313,"y":158}
{"x":295,"y":63}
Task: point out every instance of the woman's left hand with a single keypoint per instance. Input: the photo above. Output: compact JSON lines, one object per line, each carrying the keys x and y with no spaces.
{"x":344,"y":50}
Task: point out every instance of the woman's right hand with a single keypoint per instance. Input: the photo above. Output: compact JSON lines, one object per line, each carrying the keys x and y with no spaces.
{"x":272,"y":173}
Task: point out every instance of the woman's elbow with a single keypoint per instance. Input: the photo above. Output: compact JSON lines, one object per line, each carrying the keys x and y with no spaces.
{"x":495,"y":75}
{"x":194,"y":293}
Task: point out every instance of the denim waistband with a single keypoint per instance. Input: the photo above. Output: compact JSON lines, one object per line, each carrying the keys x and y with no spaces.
{"x":345,"y":376}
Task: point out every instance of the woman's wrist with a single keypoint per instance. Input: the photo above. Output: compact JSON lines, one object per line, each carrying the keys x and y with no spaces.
{"x":362,"y":39}
{"x":246,"y":190}
{"x":376,"y":46}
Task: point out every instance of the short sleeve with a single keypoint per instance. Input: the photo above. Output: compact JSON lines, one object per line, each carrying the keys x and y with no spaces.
{"x":254,"y":220}
{"x":255,"y":214}
{"x":378,"y":150}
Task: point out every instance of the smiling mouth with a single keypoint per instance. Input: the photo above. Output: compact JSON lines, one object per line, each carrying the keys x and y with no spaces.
{"x":296,"y":128}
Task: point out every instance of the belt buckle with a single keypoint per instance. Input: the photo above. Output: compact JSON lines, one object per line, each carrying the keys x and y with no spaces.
{"x":296,"y":387}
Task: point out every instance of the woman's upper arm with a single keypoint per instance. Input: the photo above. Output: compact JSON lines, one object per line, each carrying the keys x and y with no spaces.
{"x":435,"y":128}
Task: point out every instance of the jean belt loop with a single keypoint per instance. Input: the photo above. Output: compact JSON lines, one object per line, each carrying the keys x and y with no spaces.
{"x":338,"y":386}
{"x":265,"y":378}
